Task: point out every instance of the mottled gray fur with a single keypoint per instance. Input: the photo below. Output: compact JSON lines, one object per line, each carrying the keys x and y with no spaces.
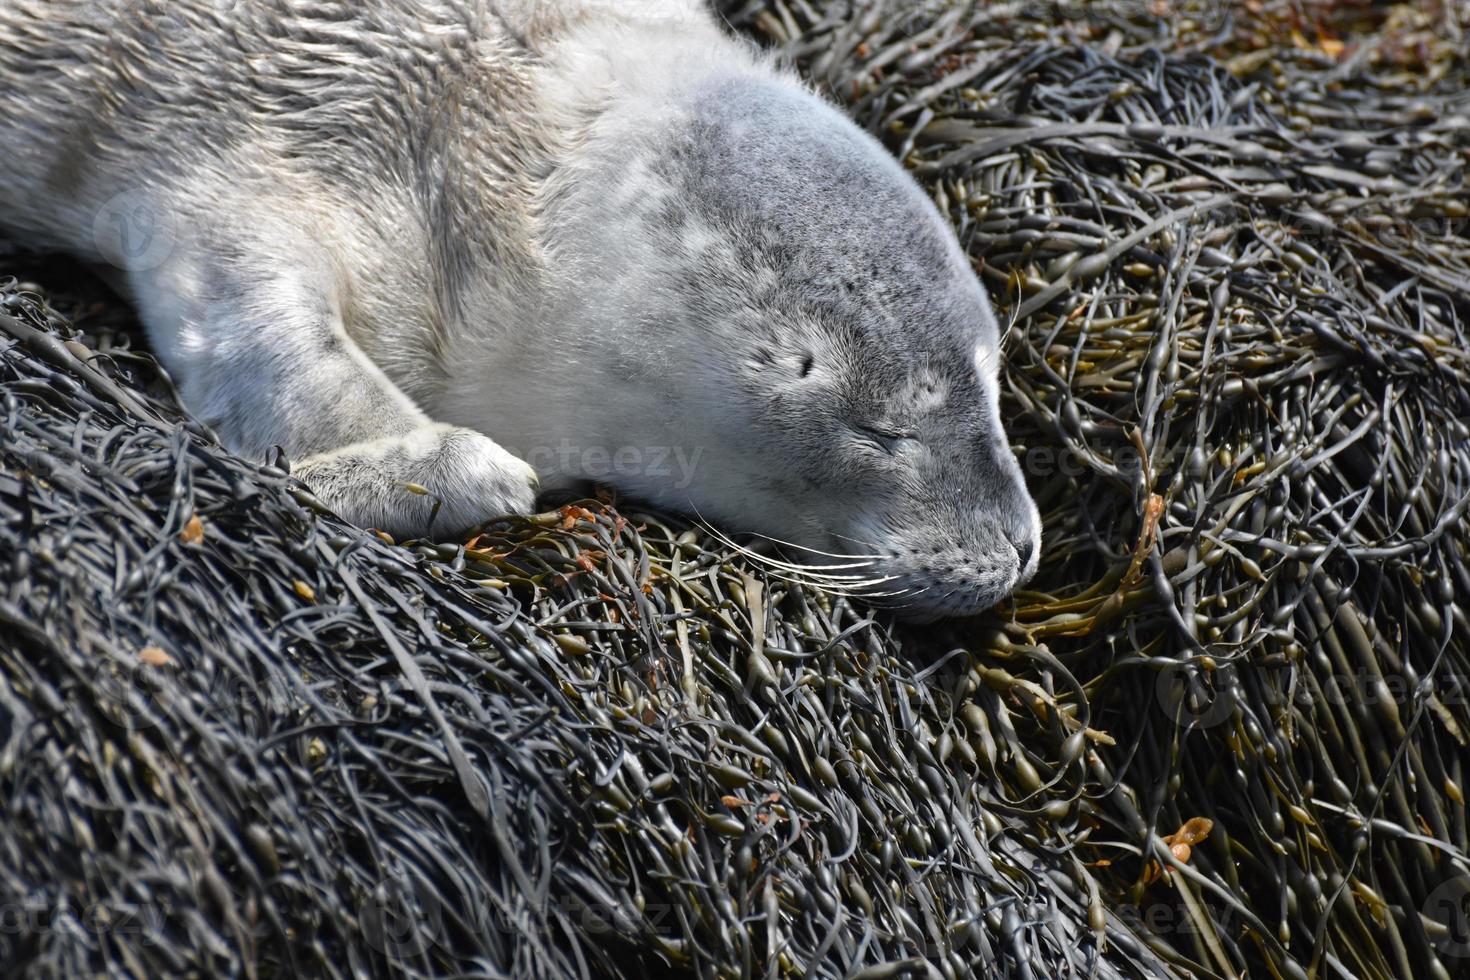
{"x":424,"y":241}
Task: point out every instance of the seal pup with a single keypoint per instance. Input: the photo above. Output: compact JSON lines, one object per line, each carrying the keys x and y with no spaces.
{"x":435,"y":248}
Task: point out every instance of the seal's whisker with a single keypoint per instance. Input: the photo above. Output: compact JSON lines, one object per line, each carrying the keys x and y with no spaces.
{"x":874,"y":597}
{"x":821,"y":571}
{"x":869,"y":583}
{"x":744,"y":550}
{"x":857,"y":541}
{"x":929,"y":599}
{"x":816,"y":571}
{"x":856,"y":586}
{"x":853,"y":586}
{"x":725,"y":539}
{"x":830,"y":583}
{"x":810,"y":550}
{"x":817,"y":576}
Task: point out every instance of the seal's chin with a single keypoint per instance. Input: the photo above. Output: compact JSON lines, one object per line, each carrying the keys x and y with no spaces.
{"x":923,"y":597}
{"x":936,"y":574}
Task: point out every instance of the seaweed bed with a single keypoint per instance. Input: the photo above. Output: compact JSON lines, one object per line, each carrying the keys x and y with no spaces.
{"x":1224,"y":733}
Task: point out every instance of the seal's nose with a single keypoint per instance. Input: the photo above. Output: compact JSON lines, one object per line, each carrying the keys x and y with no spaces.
{"x":1026,"y":539}
{"x":1025,"y":549}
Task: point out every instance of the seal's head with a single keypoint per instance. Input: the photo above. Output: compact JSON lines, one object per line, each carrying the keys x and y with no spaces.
{"x":765,"y":292}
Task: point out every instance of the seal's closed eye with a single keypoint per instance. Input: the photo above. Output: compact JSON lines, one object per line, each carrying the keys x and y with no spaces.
{"x":889,"y":440}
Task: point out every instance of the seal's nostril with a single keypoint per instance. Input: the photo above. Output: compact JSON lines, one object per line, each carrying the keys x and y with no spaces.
{"x":1025,"y":548}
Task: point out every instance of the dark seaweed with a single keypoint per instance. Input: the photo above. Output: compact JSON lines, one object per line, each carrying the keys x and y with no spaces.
{"x":238,"y":737}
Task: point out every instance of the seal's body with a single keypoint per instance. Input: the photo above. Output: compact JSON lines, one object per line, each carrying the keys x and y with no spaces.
{"x":427,"y":244}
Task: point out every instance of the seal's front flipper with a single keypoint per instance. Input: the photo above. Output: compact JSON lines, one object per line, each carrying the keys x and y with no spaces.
{"x":437,"y":479}
{"x":252,"y":331}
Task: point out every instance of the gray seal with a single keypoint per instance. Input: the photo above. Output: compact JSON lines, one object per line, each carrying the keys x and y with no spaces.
{"x":439,"y":250}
